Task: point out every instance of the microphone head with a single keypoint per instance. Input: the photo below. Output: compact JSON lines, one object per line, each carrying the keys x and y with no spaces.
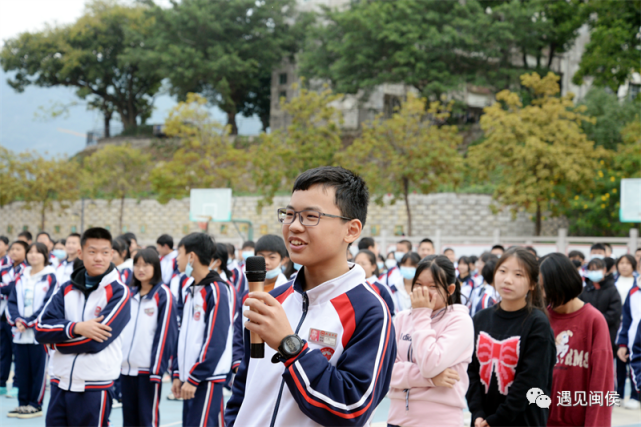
{"x":255,"y":269}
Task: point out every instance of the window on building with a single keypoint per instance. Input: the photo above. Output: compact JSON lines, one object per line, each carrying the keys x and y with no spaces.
{"x":282,"y":78}
{"x":634,"y":90}
{"x":391,"y":104}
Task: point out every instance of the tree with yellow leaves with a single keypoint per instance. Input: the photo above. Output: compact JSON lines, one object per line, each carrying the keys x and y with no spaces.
{"x":206,"y":157}
{"x":540,"y":154}
{"x":413,"y":149}
{"x":311,"y":139}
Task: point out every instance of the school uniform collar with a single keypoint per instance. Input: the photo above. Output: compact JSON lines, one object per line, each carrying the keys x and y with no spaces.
{"x":150,"y":294}
{"x":26,"y":273}
{"x":333,"y":287}
{"x":78,"y":279}
{"x":208,"y":279}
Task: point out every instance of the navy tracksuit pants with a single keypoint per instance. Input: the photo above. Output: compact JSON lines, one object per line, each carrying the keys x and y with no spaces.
{"x":6,"y":351}
{"x":140,"y":400}
{"x":206,"y":408}
{"x":31,"y":363}
{"x":70,"y":408}
{"x":624,"y":371}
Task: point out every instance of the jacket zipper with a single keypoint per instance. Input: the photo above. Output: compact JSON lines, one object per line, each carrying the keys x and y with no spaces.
{"x":133,"y":336}
{"x":73,"y":365}
{"x":407,"y":390}
{"x":191,"y":291}
{"x":282,"y":381}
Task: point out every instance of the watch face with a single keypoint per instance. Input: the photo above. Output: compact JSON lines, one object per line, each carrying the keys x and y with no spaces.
{"x":290,"y":345}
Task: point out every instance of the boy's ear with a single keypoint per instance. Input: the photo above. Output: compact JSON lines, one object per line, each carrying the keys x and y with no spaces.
{"x":354,"y":228}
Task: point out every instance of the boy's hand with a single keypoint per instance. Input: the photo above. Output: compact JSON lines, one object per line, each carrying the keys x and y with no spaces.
{"x":422,"y":298}
{"x":188,"y":391}
{"x":480,"y":422}
{"x":93,"y":329}
{"x":622,"y":353}
{"x":175,"y":387}
{"x":267,"y":318}
{"x":20,"y":325}
{"x":447,"y":378}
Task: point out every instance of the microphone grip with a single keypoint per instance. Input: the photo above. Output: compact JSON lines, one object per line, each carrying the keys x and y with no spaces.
{"x":257,"y":345}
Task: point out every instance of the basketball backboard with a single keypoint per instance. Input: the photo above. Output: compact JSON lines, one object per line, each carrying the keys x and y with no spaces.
{"x":630,"y":210}
{"x":210,"y":204}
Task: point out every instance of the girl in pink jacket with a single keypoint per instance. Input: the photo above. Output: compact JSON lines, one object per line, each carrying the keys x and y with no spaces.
{"x":435,"y":341}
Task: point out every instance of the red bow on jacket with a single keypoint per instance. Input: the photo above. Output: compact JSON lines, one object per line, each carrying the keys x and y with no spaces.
{"x":497,"y":356}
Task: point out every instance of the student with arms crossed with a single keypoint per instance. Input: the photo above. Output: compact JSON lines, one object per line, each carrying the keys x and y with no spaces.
{"x":203,"y":354}
{"x":83,"y":322}
{"x":583,"y":350}
{"x":330,"y":344}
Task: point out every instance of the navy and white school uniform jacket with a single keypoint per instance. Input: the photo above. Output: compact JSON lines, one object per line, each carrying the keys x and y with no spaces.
{"x":8,"y":274}
{"x":63,"y":271}
{"x":204,"y":348}
{"x":238,"y":278}
{"x":149,"y":338}
{"x":383,"y":292}
{"x":635,"y":358}
{"x":343,"y":371}
{"x":168,"y":264}
{"x":28,"y":297}
{"x":126,"y":270}
{"x":631,"y":316}
{"x":81,"y":363}
{"x":179,"y":282}
{"x":482,"y":297}
{"x":396,"y":287}
{"x":5,"y":260}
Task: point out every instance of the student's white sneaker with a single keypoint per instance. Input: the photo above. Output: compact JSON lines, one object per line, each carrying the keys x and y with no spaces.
{"x":30,"y":412}
{"x":632,"y":404}
{"x":15,"y":412}
{"x":116,"y":403}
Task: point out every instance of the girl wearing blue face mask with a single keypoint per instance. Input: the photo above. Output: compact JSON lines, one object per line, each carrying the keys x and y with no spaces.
{"x":408,"y":270}
{"x":601,"y":293}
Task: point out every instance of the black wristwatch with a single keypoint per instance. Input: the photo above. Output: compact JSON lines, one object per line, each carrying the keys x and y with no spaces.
{"x":290,"y":346}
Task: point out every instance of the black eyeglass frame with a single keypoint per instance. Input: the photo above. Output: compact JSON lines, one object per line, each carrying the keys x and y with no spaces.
{"x":297,"y":214}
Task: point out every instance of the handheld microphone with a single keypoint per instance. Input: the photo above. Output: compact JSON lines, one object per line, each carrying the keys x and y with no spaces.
{"x":255,"y":272}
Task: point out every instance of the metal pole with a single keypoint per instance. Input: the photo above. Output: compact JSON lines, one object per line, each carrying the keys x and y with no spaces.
{"x":632,"y":243}
{"x":562,"y":241}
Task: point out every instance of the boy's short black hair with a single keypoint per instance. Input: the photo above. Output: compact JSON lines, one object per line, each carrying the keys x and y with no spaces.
{"x":74,"y":235}
{"x":473,"y":259}
{"x":149,"y":257}
{"x":153,"y":248}
{"x":201,"y":244}
{"x":271,"y":243}
{"x":561,"y":280}
{"x":487,"y":256}
{"x":597,"y":247}
{"x":352,"y":196}
{"x":166,"y":239}
{"x":5,"y":240}
{"x":120,"y":245}
{"x":248,"y":244}
{"x":501,"y":247}
{"x":607,"y":245}
{"x":574,"y":254}
{"x":609,"y":263}
{"x":42,"y":248}
{"x":448,"y":249}
{"x":531,"y":249}
{"x":488,"y":270}
{"x":407,"y":244}
{"x":22,"y":243}
{"x":412,"y":257}
{"x":130,"y":236}
{"x":426,"y":240}
{"x":44,"y":233}
{"x":366,"y":243}
{"x":61,"y":241}
{"x":26,"y":234}
{"x":596,"y":263}
{"x":231,"y":249}
{"x":95,"y":233}
{"x":632,"y":260}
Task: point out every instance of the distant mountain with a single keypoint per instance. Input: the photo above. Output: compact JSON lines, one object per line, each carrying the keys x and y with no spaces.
{"x":21,"y":130}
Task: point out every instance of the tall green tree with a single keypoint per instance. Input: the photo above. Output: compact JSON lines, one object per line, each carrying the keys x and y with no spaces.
{"x":412,"y":150}
{"x":206,"y":157}
{"x":117,"y":172}
{"x":223,"y":49}
{"x":91,"y":55}
{"x":614,"y":50}
{"x":540,"y":152}
{"x":11,"y":177}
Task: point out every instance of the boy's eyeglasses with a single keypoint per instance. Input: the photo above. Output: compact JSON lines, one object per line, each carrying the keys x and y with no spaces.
{"x":308,"y":217}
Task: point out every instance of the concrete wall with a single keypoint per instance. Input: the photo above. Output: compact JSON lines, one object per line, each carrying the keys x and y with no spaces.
{"x":452,"y":214}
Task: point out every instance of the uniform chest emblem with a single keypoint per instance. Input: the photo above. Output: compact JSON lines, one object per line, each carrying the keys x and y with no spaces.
{"x":97,"y":311}
{"x":150,"y":311}
{"x":197,"y":316}
{"x":323,"y":337}
{"x":328,"y":352}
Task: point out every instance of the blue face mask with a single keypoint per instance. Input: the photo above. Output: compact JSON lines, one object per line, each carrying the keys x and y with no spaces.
{"x":390,"y":263}
{"x":247,"y":254}
{"x":272,"y":274}
{"x":380,"y":265}
{"x":229,"y":261}
{"x":595,"y":276}
{"x":408,"y":272}
{"x":59,"y":253}
{"x":189,"y":269}
{"x":399,"y":256}
{"x":297,"y":267}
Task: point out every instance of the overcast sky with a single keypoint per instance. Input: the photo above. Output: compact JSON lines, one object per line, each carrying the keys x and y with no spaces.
{"x":19,"y":129}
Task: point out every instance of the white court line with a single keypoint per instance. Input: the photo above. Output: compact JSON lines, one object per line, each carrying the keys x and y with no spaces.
{"x":172,"y":424}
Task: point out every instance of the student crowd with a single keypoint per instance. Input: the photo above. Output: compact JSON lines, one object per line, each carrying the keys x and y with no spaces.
{"x":517,"y":339}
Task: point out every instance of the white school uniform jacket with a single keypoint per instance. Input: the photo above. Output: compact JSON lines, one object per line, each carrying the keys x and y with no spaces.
{"x":631,"y":316}
{"x":204,"y":348}
{"x":81,"y":363}
{"x":238,"y":279}
{"x":482,"y":297}
{"x":343,"y":370}
{"x":126,"y":270}
{"x":396,"y":287}
{"x":168,"y":264}
{"x":7,"y":276}
{"x":28,"y":297}
{"x":63,"y":271}
{"x":149,"y":338}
